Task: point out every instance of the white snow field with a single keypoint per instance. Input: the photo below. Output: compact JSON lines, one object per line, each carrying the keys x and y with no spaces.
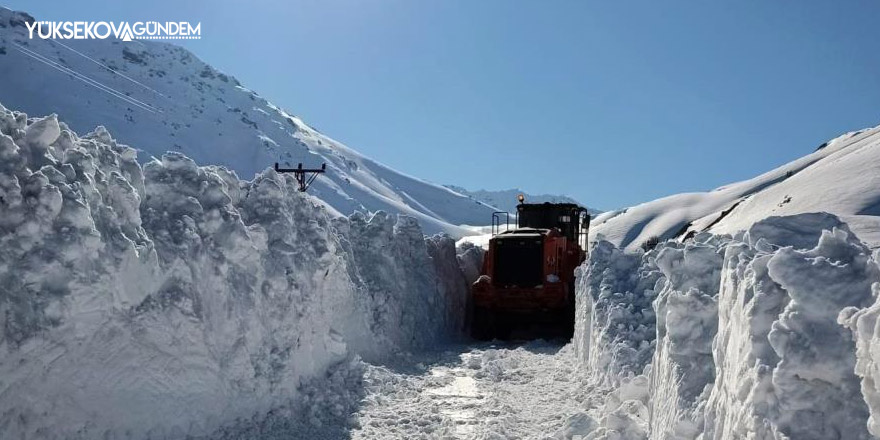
{"x":160,"y":97}
{"x":742,"y":336}
{"x":171,"y":299}
{"x":770,"y":333}
{"x":174,"y":300}
{"x":842,"y":177}
{"x":755,"y":316}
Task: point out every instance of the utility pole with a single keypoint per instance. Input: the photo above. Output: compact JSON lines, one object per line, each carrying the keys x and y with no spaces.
{"x":304,"y":176}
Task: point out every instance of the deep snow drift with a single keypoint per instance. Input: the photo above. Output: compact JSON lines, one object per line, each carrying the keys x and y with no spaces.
{"x":172,"y":299}
{"x":741,"y":336}
{"x":754,"y":317}
{"x":160,"y":97}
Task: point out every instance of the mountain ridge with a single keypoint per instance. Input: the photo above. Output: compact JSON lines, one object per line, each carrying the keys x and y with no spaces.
{"x":158,"y":97}
{"x":842,"y":178}
{"x":505,"y":200}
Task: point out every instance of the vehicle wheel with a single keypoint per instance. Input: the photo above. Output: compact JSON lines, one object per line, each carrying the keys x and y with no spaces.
{"x":502,"y":326}
{"x":481,"y":324}
{"x":568,"y":315}
{"x":568,"y":321}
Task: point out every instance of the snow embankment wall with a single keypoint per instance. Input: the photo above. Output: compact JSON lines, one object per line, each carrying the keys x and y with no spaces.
{"x":770,"y":334}
{"x":172,"y":299}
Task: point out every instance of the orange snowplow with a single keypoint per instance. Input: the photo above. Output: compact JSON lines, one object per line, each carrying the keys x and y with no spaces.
{"x":527,"y":276}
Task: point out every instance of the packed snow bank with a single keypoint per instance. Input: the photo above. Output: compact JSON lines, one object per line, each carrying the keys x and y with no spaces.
{"x":864,"y":325}
{"x":615,"y":326}
{"x":842,"y":177}
{"x":737,"y":336}
{"x":172,"y":299}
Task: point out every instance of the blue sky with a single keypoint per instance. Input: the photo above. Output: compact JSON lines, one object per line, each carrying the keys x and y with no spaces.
{"x":614,"y":103}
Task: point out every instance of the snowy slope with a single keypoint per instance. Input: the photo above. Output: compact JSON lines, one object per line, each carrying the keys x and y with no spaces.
{"x":505,"y":200}
{"x":842,"y":177}
{"x":160,"y":97}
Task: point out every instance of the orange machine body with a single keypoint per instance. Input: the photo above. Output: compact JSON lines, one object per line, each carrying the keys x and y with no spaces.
{"x":527,"y":277}
{"x":559,"y":257}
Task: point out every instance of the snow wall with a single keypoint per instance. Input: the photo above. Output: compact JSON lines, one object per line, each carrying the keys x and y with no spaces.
{"x":168,"y":300}
{"x":768,"y":334}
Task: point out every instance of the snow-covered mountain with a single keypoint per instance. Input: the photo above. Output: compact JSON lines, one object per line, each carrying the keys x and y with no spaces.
{"x":505,"y":200}
{"x":160,"y":97}
{"x":842,"y":177}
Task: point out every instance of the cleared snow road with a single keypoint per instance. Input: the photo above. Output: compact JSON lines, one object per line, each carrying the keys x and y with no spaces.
{"x":509,"y":391}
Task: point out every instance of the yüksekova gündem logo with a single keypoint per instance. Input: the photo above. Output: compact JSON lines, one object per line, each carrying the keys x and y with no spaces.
{"x":123,"y":30}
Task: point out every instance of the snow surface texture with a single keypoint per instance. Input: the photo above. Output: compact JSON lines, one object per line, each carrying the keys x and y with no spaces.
{"x":476,"y":391}
{"x":866,"y":332}
{"x":172,"y":299}
{"x":483,"y":391}
{"x":161,"y":97}
{"x":621,"y":289}
{"x":842,"y":178}
{"x":748,"y":341}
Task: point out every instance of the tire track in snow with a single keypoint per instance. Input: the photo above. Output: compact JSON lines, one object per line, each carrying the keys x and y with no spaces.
{"x":476,"y":392}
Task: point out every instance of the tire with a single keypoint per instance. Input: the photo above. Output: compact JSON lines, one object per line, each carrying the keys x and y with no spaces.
{"x":568,"y":314}
{"x":568,"y":321}
{"x":503,"y":326}
{"x":481,"y":327}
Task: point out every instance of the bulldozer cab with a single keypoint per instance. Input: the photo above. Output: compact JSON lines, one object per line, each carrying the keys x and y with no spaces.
{"x":570,"y":219}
